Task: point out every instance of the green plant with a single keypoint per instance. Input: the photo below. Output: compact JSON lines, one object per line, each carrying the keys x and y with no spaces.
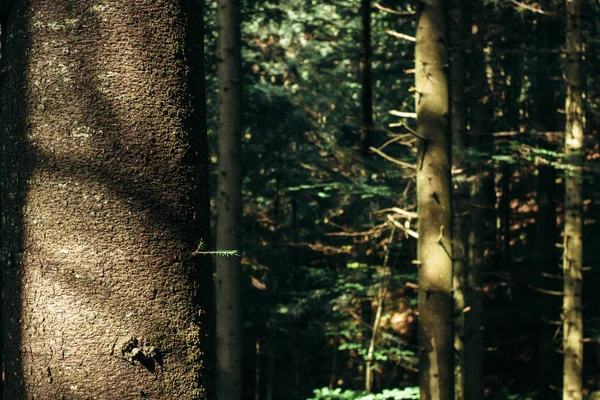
{"x":337,"y":394}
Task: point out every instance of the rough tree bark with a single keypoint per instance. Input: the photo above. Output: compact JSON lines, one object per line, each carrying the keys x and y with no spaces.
{"x":105,"y":199}
{"x":436,"y":311}
{"x":229,"y":200}
{"x":572,"y":255}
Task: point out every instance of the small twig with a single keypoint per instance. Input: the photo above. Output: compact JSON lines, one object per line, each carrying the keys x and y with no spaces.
{"x":391,"y":11}
{"x":401,"y":35}
{"x":440,"y":241}
{"x":515,"y":133}
{"x":408,"y":214}
{"x":403,"y":125}
{"x":552,"y":276}
{"x":222,"y":253}
{"x":396,"y":138}
{"x":392,"y":159}
{"x":406,"y":230}
{"x":410,"y":130}
{"x":372,"y":231}
{"x":545,"y":291}
{"x":403,"y":114}
{"x":530,"y":8}
{"x":552,"y":322}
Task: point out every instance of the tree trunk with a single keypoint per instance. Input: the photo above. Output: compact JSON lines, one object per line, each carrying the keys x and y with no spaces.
{"x":3,"y":252}
{"x":478,"y":217}
{"x":367,"y":83}
{"x":460,"y":198}
{"x":546,"y":265}
{"x":546,"y":262}
{"x":436,"y":371}
{"x":105,"y":199}
{"x":572,"y":256}
{"x":228,"y":204}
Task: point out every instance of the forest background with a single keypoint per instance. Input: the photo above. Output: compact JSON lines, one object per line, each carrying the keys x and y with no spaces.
{"x":329,"y":285}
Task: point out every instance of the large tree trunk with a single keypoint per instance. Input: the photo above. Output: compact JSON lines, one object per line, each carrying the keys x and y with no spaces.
{"x":572,"y":257}
{"x":104,"y":195}
{"x":229,"y":200}
{"x":436,"y":371}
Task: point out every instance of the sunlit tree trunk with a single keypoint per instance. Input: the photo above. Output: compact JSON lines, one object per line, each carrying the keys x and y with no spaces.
{"x":572,"y":257}
{"x":436,"y":311}
{"x":106,"y":201}
{"x":366,"y":78}
{"x":228,"y":204}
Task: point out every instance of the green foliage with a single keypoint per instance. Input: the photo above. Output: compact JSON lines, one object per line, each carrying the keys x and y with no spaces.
{"x":391,"y":394}
{"x":506,"y":395}
{"x":221,"y":253}
{"x":382,"y":353}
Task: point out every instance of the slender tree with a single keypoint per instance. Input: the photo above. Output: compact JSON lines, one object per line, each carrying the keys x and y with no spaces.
{"x":105,"y":203}
{"x":467,"y":200}
{"x":572,"y":256}
{"x":3,"y":251}
{"x":436,"y":313}
{"x":229,"y":200}
{"x":366,"y":103}
{"x":458,"y":36}
{"x":478,"y":218}
{"x":546,"y":263}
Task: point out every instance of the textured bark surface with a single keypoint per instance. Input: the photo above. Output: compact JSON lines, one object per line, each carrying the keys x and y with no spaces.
{"x":104,"y":201}
{"x":436,"y":311}
{"x":572,"y":256}
{"x":229,"y":203}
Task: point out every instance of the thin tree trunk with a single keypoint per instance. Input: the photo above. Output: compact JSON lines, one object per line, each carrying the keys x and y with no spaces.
{"x":546,"y":264}
{"x":229,"y":202}
{"x":366,"y":77}
{"x":572,"y":256}
{"x":334,"y":358}
{"x":436,"y":310}
{"x":257,"y":371}
{"x":3,"y":170}
{"x":478,"y":218}
{"x":106,"y":201}
{"x":294,"y":286}
{"x":461,"y":193}
{"x":381,"y":293}
{"x":270,"y":391}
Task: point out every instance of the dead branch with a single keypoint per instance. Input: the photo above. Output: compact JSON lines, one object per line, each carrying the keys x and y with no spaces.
{"x":392,"y":159}
{"x":391,"y":11}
